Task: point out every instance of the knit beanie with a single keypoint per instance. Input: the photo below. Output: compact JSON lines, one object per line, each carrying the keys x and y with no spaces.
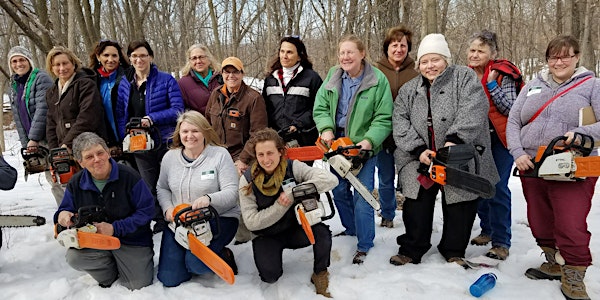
{"x":433,"y":43}
{"x":21,"y":51}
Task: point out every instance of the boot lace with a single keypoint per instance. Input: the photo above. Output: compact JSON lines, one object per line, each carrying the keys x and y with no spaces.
{"x":574,"y":278}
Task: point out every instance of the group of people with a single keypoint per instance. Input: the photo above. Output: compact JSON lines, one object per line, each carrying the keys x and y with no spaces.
{"x":222,"y":144}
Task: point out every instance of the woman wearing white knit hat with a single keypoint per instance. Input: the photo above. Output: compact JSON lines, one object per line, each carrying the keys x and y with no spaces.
{"x":443,"y":107}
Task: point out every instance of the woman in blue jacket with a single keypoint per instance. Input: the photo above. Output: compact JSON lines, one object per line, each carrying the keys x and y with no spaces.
{"x":153,"y":96}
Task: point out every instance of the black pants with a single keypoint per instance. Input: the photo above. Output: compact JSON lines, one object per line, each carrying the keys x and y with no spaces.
{"x":268,"y":250}
{"x":148,"y":164}
{"x":417,"y":215}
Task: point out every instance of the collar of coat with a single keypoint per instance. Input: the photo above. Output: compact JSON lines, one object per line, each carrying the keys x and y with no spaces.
{"x":369,"y":79}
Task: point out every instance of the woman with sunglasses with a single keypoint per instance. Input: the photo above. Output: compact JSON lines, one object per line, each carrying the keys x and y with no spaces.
{"x":290,"y":90}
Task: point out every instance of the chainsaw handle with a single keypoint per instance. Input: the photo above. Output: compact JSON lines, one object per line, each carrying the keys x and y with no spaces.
{"x":331,"y":207}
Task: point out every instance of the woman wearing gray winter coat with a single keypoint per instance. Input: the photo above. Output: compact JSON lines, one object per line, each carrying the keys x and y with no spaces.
{"x":452,"y":101}
{"x":28,"y":86}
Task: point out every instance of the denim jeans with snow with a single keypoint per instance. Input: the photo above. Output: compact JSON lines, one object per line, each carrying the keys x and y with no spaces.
{"x":495,"y":212}
{"x":356,"y":214}
{"x":386,"y":170}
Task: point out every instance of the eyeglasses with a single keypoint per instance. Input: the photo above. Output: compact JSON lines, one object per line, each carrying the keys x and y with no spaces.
{"x":141,"y":56}
{"x":235,"y":72}
{"x":199,"y":57}
{"x":18,"y":60}
{"x":346,"y":53}
{"x":564,"y":59}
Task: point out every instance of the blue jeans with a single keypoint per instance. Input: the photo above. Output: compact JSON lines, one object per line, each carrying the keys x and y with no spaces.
{"x":177,"y":264}
{"x":355,"y":213}
{"x":387,"y":194}
{"x":495,"y":213}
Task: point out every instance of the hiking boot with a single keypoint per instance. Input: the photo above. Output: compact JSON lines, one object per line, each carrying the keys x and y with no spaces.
{"x":227,"y":256}
{"x":481,"y":240}
{"x":549,"y":270}
{"x":400,"y":260}
{"x":572,"y":285}
{"x":387,"y":223}
{"x":321,"y":282}
{"x":498,"y":252}
{"x":399,"y":200}
{"x":343,"y":233}
{"x":459,"y":261}
{"x":359,"y":257}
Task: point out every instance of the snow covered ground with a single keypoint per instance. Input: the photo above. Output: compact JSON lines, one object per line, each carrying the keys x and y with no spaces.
{"x":32,"y":264}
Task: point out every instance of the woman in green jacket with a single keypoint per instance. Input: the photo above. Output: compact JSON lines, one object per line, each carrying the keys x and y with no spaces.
{"x":355,"y":101}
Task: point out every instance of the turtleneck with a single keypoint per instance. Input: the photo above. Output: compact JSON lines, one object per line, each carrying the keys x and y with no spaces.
{"x":288,"y":73}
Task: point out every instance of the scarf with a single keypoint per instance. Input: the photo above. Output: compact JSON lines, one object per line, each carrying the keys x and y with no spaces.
{"x":206,"y":79}
{"x":269,"y":185}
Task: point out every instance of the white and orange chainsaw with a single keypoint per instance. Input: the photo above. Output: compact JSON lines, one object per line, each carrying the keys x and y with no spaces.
{"x":192,"y":231}
{"x":309,"y":209}
{"x":566,"y":162}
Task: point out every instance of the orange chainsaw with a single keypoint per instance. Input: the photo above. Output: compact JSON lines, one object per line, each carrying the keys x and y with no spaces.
{"x":344,"y":157}
{"x":84,"y":234}
{"x":192,"y":231}
{"x":310,"y":209}
{"x":569,"y":162}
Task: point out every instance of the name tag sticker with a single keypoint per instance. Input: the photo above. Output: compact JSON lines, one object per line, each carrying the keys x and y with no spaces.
{"x":534,"y":90}
{"x":207,"y":175}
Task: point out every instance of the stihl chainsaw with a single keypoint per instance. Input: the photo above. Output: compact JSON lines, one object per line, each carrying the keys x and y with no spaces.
{"x":62,"y":165}
{"x":84,"y":234}
{"x":138,"y":137}
{"x":569,"y":162}
{"x":310,"y":209}
{"x":449,"y":166}
{"x":344,"y":157}
{"x":192,"y":231}
{"x":35,"y":160}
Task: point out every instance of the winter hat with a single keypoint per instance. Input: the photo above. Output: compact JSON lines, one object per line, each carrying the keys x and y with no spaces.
{"x":20,"y":51}
{"x":433,"y":43}
{"x":234,"y":62}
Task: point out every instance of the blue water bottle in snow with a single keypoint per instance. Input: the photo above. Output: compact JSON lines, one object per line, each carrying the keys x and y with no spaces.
{"x":485,"y":283}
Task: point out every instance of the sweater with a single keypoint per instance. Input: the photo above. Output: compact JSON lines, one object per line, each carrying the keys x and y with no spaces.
{"x":561,"y":116}
{"x":256,"y":219}
{"x":212,"y":174}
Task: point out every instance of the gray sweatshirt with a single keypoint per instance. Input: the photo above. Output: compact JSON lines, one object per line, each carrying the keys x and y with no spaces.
{"x":212,"y":174}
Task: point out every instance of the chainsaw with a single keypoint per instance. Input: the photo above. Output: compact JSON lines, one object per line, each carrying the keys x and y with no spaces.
{"x":344,"y":157}
{"x":309,"y":208}
{"x":193,"y":232}
{"x":20,"y":221}
{"x":62,"y":165}
{"x":138,"y":137}
{"x":569,"y":162}
{"x":83,"y":234}
{"x":35,"y":160}
{"x":291,"y":138}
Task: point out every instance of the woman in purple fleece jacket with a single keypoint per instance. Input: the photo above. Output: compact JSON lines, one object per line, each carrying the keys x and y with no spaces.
{"x":556,"y":210}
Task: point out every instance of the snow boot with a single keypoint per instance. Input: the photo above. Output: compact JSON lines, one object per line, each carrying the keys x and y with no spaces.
{"x":359,"y":257}
{"x":498,"y":252}
{"x":572,"y":285}
{"x":227,"y":256}
{"x":321,"y":282}
{"x":481,"y":240}
{"x":549,"y":270}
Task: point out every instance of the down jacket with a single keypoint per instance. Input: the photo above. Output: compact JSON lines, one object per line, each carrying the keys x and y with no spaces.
{"x":163,"y":102}
{"x":459,"y":108}
{"x":37,"y":107}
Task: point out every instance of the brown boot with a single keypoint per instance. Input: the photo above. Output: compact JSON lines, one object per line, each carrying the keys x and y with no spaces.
{"x":321,"y":282}
{"x":549,"y":270}
{"x":572,"y":285}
